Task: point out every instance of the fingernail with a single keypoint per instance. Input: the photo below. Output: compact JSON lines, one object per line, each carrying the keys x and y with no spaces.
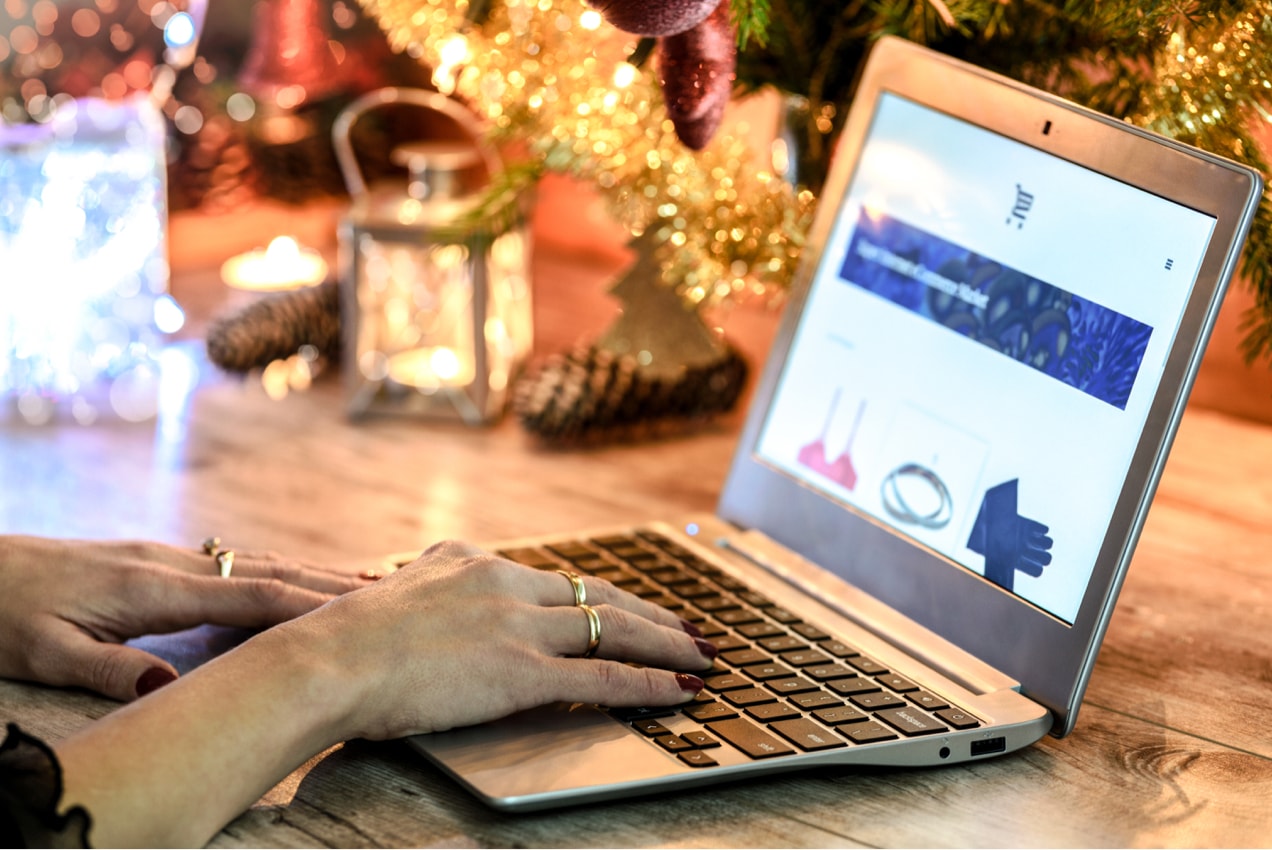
{"x":153,"y":679}
{"x":689,"y":684}
{"x":690,"y":628}
{"x":370,"y":575}
{"x":708,"y":649}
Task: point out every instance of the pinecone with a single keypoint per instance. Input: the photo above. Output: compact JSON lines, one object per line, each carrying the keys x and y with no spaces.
{"x":592,"y":395}
{"x":277,"y":326}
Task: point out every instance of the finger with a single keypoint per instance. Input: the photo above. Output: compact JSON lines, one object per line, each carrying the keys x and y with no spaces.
{"x":625,"y":636}
{"x":173,"y":603}
{"x":613,"y":684}
{"x":298,"y":573}
{"x":555,"y":589}
{"x":114,"y":670}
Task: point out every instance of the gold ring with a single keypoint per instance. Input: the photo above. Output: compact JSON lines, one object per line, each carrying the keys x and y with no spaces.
{"x":580,"y":592}
{"x":210,"y":545}
{"x":225,"y":560}
{"x":593,"y":630}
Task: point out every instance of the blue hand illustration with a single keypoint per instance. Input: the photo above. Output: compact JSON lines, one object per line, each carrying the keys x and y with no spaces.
{"x":1009,"y":542}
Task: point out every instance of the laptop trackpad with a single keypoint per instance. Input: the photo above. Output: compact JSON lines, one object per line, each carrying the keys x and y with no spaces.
{"x":554,"y":748}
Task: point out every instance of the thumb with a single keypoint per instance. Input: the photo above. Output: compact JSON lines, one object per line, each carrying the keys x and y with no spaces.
{"x":114,"y":670}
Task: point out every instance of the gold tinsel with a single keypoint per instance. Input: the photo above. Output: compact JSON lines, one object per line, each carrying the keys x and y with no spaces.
{"x":551,"y":74}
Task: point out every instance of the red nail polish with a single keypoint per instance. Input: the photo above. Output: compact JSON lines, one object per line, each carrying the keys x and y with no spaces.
{"x":689,"y":684}
{"x":153,"y":679}
{"x":690,"y":629}
{"x":708,"y":649}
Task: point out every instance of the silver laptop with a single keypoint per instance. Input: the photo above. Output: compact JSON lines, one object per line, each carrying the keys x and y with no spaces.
{"x":949,"y":456}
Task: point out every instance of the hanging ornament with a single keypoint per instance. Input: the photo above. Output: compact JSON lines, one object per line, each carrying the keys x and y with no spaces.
{"x":695,"y":70}
{"x":641,"y":17}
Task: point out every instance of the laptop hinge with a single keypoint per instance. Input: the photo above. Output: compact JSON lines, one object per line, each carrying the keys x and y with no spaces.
{"x":879,"y":619}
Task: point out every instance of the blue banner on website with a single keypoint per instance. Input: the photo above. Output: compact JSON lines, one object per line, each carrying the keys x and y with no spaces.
{"x":1076,"y":341}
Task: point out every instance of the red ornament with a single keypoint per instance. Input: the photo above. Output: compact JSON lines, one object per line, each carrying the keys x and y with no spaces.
{"x":696,"y":72}
{"x":641,"y":17}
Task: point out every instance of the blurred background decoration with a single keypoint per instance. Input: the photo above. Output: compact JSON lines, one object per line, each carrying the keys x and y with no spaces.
{"x":584,"y":96}
{"x":249,"y":90}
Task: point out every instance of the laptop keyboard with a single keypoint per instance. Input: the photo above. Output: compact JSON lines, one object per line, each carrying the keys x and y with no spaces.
{"x":780,"y":684}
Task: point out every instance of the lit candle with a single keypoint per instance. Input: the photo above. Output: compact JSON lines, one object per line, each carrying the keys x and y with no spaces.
{"x":283,"y":265}
{"x":432,"y":368}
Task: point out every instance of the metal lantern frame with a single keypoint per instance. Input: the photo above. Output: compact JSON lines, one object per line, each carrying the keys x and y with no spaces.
{"x":477,"y":402}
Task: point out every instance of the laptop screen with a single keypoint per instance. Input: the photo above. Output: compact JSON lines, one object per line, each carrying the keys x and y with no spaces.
{"x":980,"y":346}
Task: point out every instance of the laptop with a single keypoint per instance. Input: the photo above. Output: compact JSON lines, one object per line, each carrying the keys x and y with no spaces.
{"x":946,"y":463}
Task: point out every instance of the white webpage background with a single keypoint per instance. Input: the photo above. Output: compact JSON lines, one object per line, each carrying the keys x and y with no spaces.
{"x":1095,"y":237}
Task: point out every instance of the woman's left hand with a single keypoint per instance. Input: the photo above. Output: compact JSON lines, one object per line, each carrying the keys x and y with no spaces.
{"x":67,"y":606}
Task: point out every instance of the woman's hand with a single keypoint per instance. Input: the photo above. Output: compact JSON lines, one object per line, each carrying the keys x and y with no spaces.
{"x":456,"y":637}
{"x":68,"y":606}
{"x":460,"y":636}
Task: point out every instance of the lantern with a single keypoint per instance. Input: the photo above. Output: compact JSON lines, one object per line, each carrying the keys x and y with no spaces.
{"x":436,"y":306}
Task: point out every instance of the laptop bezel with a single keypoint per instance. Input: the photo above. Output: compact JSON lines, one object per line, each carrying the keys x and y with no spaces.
{"x":1050,"y":659}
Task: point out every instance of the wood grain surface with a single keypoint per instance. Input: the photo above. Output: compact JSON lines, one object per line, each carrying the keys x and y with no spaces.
{"x":1172,"y":748}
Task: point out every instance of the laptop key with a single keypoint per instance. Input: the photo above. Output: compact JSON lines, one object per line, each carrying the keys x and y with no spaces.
{"x":696,"y":758}
{"x":767,"y":671}
{"x":855,"y":685}
{"x":738,"y":617}
{"x":867,"y":733}
{"x":806,"y":734}
{"x":910,"y":721}
{"x":928,"y":700}
{"x":791,"y":685}
{"x":650,"y":727}
{"x":958,"y":719}
{"x":899,"y":684}
{"x":782,"y":643}
{"x":749,"y":738}
{"x":877,"y":700}
{"x":744,"y":657}
{"x":867,"y":665}
{"x":816,"y":699}
{"x":781,"y":615}
{"x":840,"y":715}
{"x":673,"y":743}
{"x":727,"y":682}
{"x":809,"y":631}
{"x":838,"y":648}
{"x":827,"y":672}
{"x":804,"y":657}
{"x":770,"y":711}
{"x":700,"y":739}
{"x":758,"y":630}
{"x":726,"y":642}
{"x":705,"y":712}
{"x":748,"y":696}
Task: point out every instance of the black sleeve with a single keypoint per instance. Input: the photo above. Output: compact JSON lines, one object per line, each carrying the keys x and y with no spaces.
{"x":30,"y":790}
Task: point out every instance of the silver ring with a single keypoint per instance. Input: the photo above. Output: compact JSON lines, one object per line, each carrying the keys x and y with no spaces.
{"x":225,"y":561}
{"x":576,"y":584}
{"x":593,"y":630}
{"x":896,"y":505}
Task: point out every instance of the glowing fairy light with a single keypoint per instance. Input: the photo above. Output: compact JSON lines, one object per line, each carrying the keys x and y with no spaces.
{"x":624,"y":75}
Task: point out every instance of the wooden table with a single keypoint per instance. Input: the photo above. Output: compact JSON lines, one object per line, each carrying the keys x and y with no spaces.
{"x":1173,"y":746}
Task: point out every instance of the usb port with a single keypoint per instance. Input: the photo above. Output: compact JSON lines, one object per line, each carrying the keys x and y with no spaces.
{"x":989,"y":746}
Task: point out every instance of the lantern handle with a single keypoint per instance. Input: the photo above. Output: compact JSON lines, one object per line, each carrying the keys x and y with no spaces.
{"x":430,"y":100}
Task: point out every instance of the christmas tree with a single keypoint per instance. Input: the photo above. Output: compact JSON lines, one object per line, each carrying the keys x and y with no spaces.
{"x":574,"y":82}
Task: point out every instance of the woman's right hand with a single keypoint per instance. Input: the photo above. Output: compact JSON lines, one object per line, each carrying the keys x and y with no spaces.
{"x":460,"y":636}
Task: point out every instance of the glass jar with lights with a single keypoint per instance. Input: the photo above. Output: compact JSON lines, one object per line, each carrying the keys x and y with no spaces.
{"x":436,"y":305}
